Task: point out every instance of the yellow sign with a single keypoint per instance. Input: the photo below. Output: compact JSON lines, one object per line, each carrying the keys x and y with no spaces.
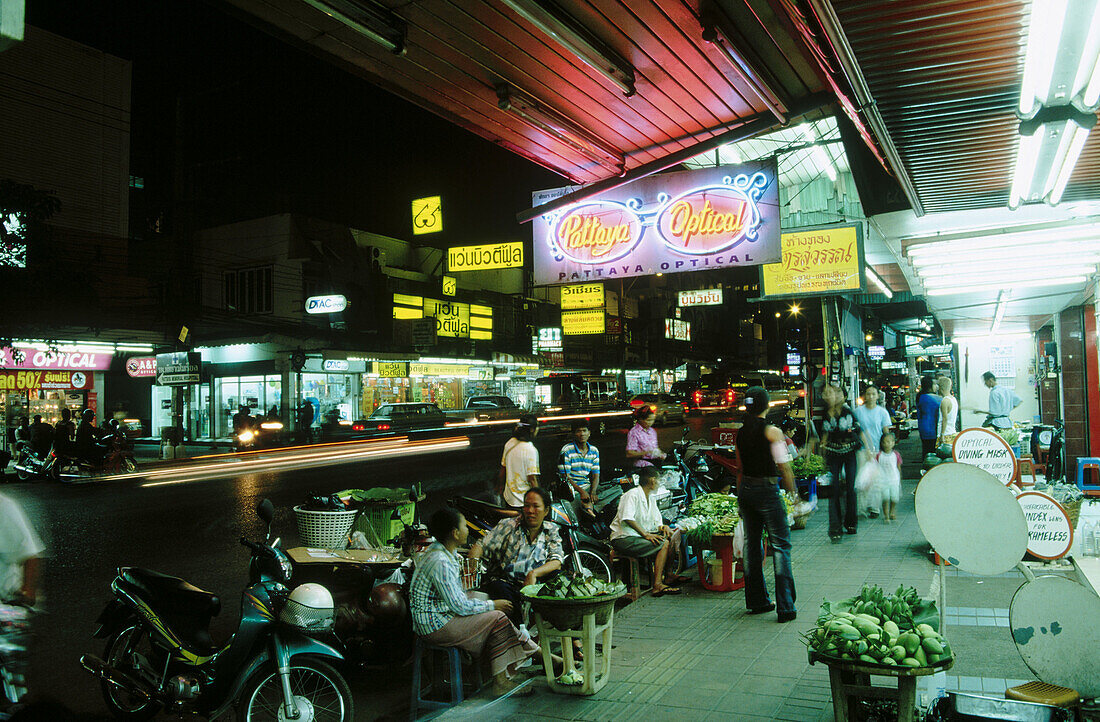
{"x":585,"y":295}
{"x":455,"y":370}
{"x":578,"y":323}
{"x":427,"y":215}
{"x":450,"y":285}
{"x":483,"y":258}
{"x":452,"y":319}
{"x":390,"y":369}
{"x":815,"y":262}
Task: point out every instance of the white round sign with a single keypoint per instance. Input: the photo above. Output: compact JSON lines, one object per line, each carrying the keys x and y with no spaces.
{"x":987,"y":451}
{"x":1049,"y":533}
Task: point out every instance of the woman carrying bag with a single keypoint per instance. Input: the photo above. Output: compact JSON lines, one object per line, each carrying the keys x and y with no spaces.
{"x":841,"y":438}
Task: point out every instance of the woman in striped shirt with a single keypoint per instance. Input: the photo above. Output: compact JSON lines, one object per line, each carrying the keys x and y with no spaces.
{"x":443,"y":615}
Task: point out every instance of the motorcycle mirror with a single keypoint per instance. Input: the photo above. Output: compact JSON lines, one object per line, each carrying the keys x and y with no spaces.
{"x":266,"y":511}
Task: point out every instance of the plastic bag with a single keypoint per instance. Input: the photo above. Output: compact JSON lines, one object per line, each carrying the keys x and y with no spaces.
{"x":670,"y":479}
{"x":739,"y":540}
{"x":825,"y":478}
{"x":868,"y":497}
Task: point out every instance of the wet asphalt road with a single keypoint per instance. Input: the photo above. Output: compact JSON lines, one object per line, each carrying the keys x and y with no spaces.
{"x":191,"y":530}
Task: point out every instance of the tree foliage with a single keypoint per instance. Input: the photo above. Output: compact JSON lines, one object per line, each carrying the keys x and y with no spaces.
{"x":23,"y":208}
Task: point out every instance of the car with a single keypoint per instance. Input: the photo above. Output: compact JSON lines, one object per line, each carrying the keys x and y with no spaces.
{"x":400,"y":418}
{"x":685,"y":392}
{"x":664,"y":405}
{"x":725,"y":391}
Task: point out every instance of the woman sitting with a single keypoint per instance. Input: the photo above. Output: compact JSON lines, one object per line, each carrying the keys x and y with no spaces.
{"x":443,"y":615}
{"x":639,"y":531}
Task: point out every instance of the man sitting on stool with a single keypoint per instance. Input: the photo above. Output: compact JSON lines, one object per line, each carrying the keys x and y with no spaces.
{"x":639,"y":531}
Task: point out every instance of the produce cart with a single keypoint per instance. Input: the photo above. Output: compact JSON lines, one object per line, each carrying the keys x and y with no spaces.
{"x":851,"y":682}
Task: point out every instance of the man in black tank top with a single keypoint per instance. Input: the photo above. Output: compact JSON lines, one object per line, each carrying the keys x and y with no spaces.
{"x":763,"y":454}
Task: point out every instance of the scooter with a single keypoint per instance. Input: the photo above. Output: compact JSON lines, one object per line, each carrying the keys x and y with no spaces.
{"x":30,"y":465}
{"x":64,"y":464}
{"x":14,"y":635}
{"x":159,"y":654}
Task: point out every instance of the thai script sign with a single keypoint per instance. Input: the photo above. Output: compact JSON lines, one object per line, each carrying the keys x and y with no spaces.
{"x":815,"y":262}
{"x":582,"y":323}
{"x":326,"y":304}
{"x":390,"y":369}
{"x":677,"y":329}
{"x":548,"y":339}
{"x":706,"y":297}
{"x":453,"y":319}
{"x":986,"y":450}
{"x":141,"y":367}
{"x":30,"y":358}
{"x":450,"y":370}
{"x":876,"y":352}
{"x":1049,"y":533}
{"x":584,"y":295}
{"x":483,"y":258}
{"x":44,"y":380}
{"x":689,"y":221}
{"x":427,"y":215}
{"x":179,"y":368}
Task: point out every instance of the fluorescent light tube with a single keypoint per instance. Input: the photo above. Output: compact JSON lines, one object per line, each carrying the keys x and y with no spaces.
{"x":558,"y":126}
{"x":1008,"y":334}
{"x":1085,"y":252}
{"x":874,"y":278}
{"x":999,"y":314}
{"x":367,"y":18}
{"x":1037,"y":283}
{"x":1043,"y":36}
{"x":1027,"y":157}
{"x":1069,"y":162}
{"x":989,"y":242}
{"x":824,"y":162}
{"x":1006,"y":276}
{"x":716,"y":36}
{"x":570,"y":34}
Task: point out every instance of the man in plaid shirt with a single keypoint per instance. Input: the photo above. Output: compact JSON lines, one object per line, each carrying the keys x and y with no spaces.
{"x":520,"y":551}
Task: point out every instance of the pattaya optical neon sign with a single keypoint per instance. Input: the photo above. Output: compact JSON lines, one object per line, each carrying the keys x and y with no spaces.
{"x":703,"y":220}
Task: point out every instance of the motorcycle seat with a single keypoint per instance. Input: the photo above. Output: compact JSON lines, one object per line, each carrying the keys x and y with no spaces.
{"x":171,"y":595}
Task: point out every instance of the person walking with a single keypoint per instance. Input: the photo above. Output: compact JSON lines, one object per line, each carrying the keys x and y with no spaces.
{"x":520,"y":463}
{"x":875,"y":421}
{"x":1002,"y":401}
{"x":928,"y":416}
{"x":949,"y":409}
{"x":841,"y":438}
{"x":764,"y":456}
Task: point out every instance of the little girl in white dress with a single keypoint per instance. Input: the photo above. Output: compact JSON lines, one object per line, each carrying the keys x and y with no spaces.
{"x":889,"y":477}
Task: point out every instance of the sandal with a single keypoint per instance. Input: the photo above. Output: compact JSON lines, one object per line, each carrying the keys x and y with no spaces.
{"x":679,"y":579}
{"x":671,"y":591}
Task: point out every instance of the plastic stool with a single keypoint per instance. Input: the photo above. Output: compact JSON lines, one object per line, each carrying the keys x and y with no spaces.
{"x":633,"y":573}
{"x":1043,"y":693}
{"x":454,"y":655}
{"x":1084,"y":463}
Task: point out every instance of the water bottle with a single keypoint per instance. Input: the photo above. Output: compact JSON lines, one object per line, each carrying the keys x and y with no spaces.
{"x":1088,"y":546}
{"x":1096,"y":540}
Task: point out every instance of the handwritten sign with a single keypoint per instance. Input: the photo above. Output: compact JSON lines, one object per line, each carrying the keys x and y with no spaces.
{"x":1049,"y":533}
{"x":986,"y":450}
{"x":815,"y":262}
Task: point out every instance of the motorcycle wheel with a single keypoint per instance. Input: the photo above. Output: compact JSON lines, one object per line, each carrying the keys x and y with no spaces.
{"x":129,"y":651}
{"x":322,"y":694}
{"x":594,"y":563}
{"x":23,"y":475}
{"x":129,"y":465}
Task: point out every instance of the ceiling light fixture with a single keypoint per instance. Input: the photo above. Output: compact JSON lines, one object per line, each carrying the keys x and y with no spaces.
{"x":1053,"y":253}
{"x":823,"y":159}
{"x":1063,"y":56}
{"x":553,"y":123}
{"x":714,"y":34}
{"x":998,"y":242}
{"x":1033,"y":283}
{"x":1006,"y":277}
{"x":999,"y":314}
{"x":1050,"y":145}
{"x":367,"y":18}
{"x":876,"y":279}
{"x":573,"y":36}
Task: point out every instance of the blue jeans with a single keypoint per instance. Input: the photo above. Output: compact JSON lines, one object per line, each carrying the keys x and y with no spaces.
{"x":842,"y":493}
{"x":762,"y":508}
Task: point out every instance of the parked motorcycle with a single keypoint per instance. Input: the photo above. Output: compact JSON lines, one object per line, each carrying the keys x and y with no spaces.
{"x":697,"y":476}
{"x":65,"y":464}
{"x":14,"y":634}
{"x":159,"y":654}
{"x":30,"y":465}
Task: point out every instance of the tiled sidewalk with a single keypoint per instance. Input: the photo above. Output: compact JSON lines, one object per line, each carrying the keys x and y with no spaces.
{"x":700,"y":656}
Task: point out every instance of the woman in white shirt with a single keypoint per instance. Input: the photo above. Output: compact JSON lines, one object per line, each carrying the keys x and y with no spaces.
{"x":949,"y":409}
{"x":639,"y":531}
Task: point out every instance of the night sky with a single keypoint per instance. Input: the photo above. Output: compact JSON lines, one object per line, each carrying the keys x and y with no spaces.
{"x":243,"y":125}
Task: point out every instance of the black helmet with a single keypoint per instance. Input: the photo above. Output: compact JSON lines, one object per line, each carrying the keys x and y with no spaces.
{"x":87,"y":415}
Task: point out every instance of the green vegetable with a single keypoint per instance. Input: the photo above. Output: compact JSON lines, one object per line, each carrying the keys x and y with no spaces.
{"x":808,"y":465}
{"x":576,"y":587}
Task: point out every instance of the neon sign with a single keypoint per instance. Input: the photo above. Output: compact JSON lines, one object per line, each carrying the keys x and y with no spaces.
{"x":693,"y":220}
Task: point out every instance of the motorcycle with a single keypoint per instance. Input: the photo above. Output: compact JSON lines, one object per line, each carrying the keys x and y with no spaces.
{"x":14,"y":634}
{"x":258,"y":435}
{"x":159,"y":654}
{"x":30,"y":465}
{"x":65,"y":463}
{"x":900,"y":425}
{"x":697,"y":477}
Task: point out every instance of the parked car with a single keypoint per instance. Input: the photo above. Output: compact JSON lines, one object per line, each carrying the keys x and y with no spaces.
{"x":686,"y":392}
{"x":485,"y":408}
{"x":664,"y":405}
{"x":400,"y":418}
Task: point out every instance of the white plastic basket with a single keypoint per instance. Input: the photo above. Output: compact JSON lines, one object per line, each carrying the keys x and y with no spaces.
{"x":324,"y":529}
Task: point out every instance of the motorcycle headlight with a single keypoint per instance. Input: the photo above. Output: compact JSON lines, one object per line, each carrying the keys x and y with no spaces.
{"x":245,"y":436}
{"x":700,"y":464}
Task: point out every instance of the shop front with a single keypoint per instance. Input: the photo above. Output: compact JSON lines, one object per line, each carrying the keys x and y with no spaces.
{"x":447,"y":385}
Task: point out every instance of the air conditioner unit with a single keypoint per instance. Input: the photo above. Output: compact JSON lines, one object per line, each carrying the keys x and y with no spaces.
{"x":377,"y":259}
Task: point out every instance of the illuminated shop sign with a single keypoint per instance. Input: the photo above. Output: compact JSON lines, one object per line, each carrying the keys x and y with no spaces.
{"x":876,"y":352}
{"x":584,"y":295}
{"x":708,"y":297}
{"x":453,"y":319}
{"x":548,"y":339}
{"x":483,"y":258}
{"x":689,"y":221}
{"x":326,"y":304}
{"x":794,"y":359}
{"x":427,"y":215}
{"x":335,"y":364}
{"x":45,"y":381}
{"x":815,"y":262}
{"x":29,"y":358}
{"x":582,"y":323}
{"x":677,"y":330}
{"x":390,"y":369}
{"x":141,"y":367}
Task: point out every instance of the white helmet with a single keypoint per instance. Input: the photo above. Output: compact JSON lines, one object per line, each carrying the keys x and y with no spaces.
{"x":309,"y":607}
